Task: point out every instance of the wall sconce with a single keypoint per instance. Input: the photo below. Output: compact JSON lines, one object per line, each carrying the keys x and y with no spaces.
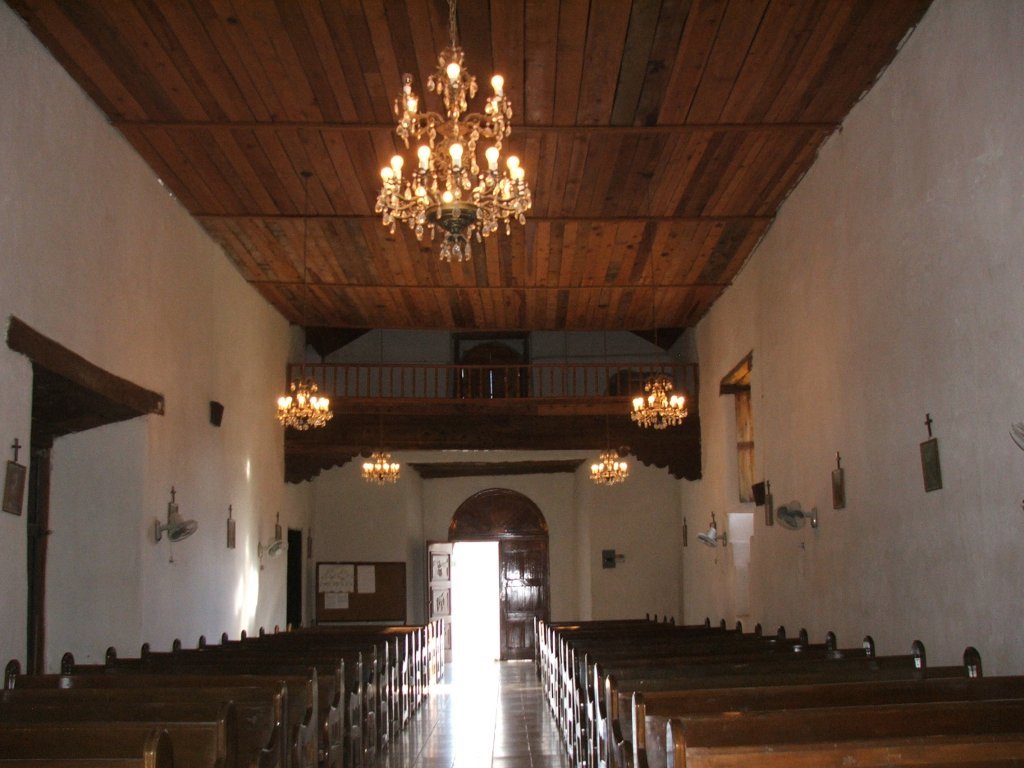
{"x":793,"y":518}
{"x":177,"y":529}
{"x":711,"y":537}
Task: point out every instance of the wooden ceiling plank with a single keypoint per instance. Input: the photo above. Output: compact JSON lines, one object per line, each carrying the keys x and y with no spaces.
{"x":196,"y":183}
{"x":330,"y":82}
{"x":606,"y":38}
{"x":269,"y":58}
{"x":304,"y":28}
{"x":664,"y":49}
{"x":346,"y":25}
{"x":735,"y":34}
{"x":785,"y":29}
{"x":719,"y":151}
{"x":166,"y":173}
{"x":572,"y":28}
{"x":736,"y":177}
{"x":224,"y":65}
{"x":695,"y":46}
{"x":164,"y":52}
{"x":540,"y":63}
{"x":391,"y":45}
{"x":574,"y":163}
{"x":614,"y":154}
{"x":859,"y":57}
{"x":809,"y":70}
{"x":77,"y":53}
{"x":508,"y":46}
{"x":114,"y":39}
{"x":636,"y":57}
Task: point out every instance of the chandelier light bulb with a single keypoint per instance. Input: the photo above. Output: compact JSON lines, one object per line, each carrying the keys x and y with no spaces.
{"x":455,"y":150}
{"x":447,"y":197}
{"x":492,"y":158}
{"x":513,"y":164}
{"x":498,"y":84}
{"x":423,"y":153}
{"x":453,"y":70}
{"x":387,"y":174}
{"x":303,"y":408}
{"x":396,"y":166}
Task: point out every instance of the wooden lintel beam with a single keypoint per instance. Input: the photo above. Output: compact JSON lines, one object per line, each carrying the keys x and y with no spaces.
{"x":581,"y":130}
{"x":742,"y":218}
{"x":62,"y":361}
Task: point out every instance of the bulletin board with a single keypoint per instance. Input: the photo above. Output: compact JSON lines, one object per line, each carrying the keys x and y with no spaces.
{"x":360,"y":591}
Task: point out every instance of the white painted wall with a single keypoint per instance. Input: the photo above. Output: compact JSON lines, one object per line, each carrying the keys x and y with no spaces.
{"x":889,"y":287}
{"x":96,"y":255}
{"x":354,"y":520}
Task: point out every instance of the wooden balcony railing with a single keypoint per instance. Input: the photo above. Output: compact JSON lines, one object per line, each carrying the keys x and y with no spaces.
{"x":453,"y":383}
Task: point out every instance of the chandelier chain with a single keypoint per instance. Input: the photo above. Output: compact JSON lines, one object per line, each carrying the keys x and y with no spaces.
{"x":453,"y":29}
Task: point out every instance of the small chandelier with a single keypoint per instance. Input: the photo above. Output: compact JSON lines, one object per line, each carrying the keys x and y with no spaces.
{"x":380,"y":469}
{"x":303,"y":408}
{"x":609,"y":469}
{"x":658,"y":407}
{"x":448,"y":189}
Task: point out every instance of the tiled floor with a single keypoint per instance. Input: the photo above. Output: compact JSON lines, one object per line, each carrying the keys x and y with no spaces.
{"x":486,"y":715}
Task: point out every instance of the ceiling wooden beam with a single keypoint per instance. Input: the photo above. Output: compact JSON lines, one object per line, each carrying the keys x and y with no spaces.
{"x":574,"y":129}
{"x":451,"y":469}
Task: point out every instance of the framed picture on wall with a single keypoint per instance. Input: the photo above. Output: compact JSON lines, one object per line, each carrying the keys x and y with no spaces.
{"x":441,"y":602}
{"x":440,"y":567}
{"x":14,"y":488}
{"x":930,"y":467}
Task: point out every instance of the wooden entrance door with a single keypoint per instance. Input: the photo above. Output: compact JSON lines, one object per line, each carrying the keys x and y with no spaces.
{"x":439,"y":589}
{"x":512,"y":519}
{"x":523,"y":564}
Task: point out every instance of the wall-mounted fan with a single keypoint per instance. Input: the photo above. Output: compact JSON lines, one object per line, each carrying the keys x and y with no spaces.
{"x":277,"y":545}
{"x":792,"y":517}
{"x":711,"y":537}
{"x":176,"y":528}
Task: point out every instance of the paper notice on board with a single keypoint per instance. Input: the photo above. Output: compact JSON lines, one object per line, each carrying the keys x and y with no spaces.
{"x":366,"y":578}
{"x":336,"y":601}
{"x":336,"y":577}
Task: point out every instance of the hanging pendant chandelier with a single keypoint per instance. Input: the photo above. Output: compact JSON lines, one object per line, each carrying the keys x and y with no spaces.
{"x":609,"y":469}
{"x":303,"y":407}
{"x":658,"y":408}
{"x":448,"y":188}
{"x":380,"y":469}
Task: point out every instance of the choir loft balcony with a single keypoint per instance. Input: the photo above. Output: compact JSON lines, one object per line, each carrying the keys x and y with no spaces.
{"x":521,"y":406}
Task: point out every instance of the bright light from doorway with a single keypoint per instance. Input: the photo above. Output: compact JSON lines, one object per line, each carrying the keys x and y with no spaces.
{"x":475,"y":607}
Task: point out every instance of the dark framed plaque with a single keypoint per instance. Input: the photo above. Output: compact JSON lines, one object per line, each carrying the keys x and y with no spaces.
{"x":14,"y":488}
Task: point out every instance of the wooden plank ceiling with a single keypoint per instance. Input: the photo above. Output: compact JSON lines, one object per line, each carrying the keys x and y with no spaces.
{"x":659,"y":137}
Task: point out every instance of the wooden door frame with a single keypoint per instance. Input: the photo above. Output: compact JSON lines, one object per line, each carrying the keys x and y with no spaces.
{"x":501,"y":514}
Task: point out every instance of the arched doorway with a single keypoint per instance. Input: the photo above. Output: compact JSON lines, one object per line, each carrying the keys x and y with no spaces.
{"x":519,"y":527}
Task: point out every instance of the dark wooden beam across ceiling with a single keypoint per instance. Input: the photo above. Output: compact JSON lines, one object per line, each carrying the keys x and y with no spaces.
{"x":437,"y":470}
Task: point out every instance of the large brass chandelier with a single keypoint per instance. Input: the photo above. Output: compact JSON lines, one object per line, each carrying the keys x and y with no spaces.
{"x":658,"y":408}
{"x":448,"y":189}
{"x":303,"y":407}
{"x":609,"y":469}
{"x":380,"y":469}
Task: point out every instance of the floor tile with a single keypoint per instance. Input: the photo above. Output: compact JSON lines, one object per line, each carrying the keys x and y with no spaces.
{"x":485,"y":715}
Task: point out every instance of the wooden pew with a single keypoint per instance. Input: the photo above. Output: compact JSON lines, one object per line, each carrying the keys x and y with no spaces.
{"x":610,"y":716}
{"x":260,"y":711}
{"x":989,"y":733}
{"x":107,"y":747}
{"x":300,"y":730}
{"x":196,"y":744}
{"x":652,"y":712}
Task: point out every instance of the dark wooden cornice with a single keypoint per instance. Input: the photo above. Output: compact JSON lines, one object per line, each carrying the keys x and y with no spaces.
{"x":450,"y":469}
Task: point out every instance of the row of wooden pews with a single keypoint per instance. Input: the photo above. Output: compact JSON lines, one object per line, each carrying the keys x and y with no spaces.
{"x":642,"y":693}
{"x":327,"y":697}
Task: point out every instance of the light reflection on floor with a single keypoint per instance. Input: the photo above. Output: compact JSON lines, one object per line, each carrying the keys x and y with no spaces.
{"x":490,"y":714}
